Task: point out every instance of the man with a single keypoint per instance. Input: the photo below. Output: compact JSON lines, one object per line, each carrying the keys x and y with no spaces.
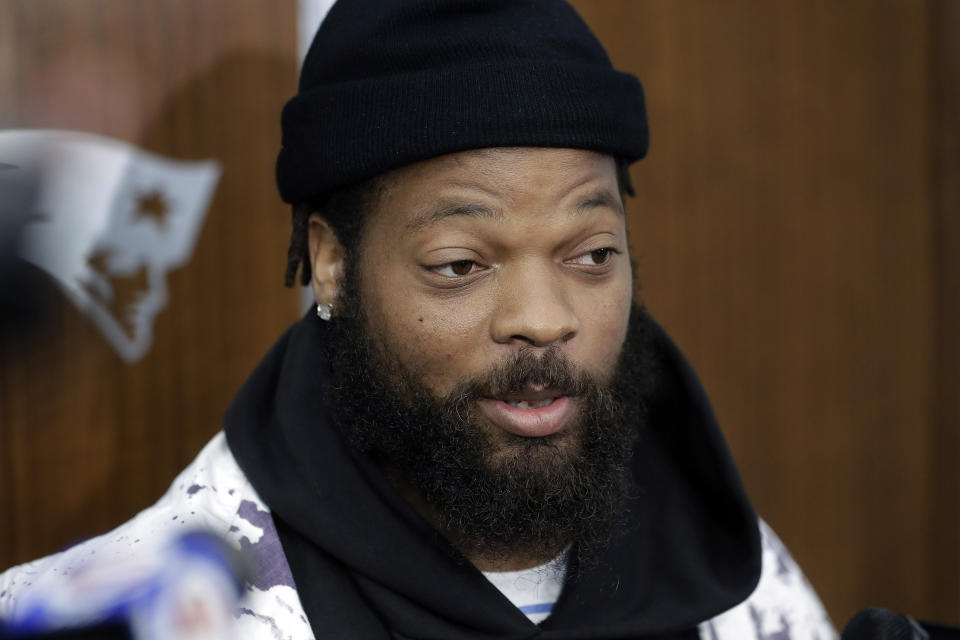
{"x":479,"y":433}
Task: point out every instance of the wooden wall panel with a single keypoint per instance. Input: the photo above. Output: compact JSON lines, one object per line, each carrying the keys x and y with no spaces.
{"x":784,"y":230}
{"x":8,"y":46}
{"x":7,"y":511}
{"x":87,"y":440}
{"x":944,"y":521}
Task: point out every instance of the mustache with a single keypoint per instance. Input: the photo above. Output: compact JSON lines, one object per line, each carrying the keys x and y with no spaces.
{"x":549,"y":369}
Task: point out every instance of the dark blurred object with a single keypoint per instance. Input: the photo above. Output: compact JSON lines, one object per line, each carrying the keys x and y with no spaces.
{"x":882,"y":624}
{"x":111,"y":631}
{"x":22,"y":305}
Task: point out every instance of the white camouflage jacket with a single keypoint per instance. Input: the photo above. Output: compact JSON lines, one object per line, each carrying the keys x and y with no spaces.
{"x":213,"y":494}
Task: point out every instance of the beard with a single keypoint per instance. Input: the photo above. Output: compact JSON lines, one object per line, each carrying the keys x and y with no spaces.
{"x":495,"y":494}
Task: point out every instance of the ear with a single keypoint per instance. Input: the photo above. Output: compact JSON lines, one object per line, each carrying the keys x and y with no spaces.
{"x":326,"y":259}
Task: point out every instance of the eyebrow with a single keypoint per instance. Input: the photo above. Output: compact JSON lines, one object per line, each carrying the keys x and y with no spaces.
{"x":452,"y":208}
{"x":601,"y":199}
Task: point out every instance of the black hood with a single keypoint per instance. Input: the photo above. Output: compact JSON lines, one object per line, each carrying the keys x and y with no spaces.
{"x":367,"y":566}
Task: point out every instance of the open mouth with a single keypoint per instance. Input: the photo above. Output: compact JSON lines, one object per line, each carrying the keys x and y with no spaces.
{"x":531,"y":404}
{"x":530,"y":413}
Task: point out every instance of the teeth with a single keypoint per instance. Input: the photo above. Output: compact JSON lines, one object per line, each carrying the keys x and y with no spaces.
{"x":536,"y":404}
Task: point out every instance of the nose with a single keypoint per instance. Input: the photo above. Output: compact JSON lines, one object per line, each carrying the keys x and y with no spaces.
{"x":533,"y":308}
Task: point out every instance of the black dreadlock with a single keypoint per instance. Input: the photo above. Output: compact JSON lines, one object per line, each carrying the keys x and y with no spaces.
{"x":345,"y":209}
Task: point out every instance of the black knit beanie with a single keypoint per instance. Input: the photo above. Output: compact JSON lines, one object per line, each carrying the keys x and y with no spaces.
{"x":390,"y":82}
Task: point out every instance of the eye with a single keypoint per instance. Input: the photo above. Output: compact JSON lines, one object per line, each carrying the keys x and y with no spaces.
{"x":595,"y":258}
{"x":456,"y":269}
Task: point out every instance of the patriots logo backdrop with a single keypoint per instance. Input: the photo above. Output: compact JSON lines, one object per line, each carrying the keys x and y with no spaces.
{"x":108,"y":222}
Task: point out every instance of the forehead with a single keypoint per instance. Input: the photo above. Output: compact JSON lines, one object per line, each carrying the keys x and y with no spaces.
{"x":491,"y":165}
{"x":485,"y":182}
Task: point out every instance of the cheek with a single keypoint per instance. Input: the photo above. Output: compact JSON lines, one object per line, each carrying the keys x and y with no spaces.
{"x":442,"y":343}
{"x":604,"y":320}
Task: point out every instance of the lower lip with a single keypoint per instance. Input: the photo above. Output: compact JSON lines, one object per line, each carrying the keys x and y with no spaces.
{"x":529,"y":423}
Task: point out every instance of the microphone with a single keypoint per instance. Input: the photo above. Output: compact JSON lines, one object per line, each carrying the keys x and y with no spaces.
{"x":882,"y":624}
{"x":189,"y":589}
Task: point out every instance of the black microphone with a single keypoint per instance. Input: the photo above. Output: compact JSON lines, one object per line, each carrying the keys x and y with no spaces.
{"x":883,"y":624}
